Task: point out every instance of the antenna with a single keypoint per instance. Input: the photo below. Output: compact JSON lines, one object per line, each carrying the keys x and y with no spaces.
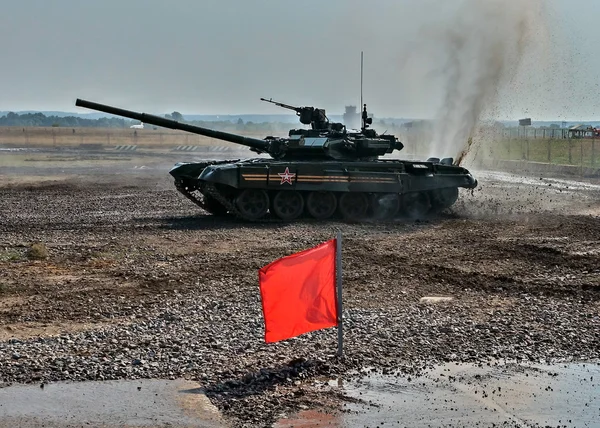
{"x":361,"y":79}
{"x":366,"y":120}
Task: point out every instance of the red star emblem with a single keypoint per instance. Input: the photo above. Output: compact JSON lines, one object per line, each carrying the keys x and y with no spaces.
{"x":286,"y":176}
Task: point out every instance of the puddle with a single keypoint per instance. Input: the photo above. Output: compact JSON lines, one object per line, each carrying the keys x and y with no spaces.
{"x":471,"y":395}
{"x":503,"y":394}
{"x":140,"y":403}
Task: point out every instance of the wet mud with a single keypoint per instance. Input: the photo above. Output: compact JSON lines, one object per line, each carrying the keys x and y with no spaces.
{"x":141,"y":403}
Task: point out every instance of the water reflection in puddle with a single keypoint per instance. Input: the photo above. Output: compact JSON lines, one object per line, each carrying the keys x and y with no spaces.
{"x":141,"y":403}
{"x":470,"y":395}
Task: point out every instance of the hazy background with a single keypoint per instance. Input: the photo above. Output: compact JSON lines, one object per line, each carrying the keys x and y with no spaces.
{"x":221,"y":56}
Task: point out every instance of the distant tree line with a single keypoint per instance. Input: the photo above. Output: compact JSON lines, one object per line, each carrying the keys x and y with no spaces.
{"x":40,"y":119}
{"x":239,"y":126}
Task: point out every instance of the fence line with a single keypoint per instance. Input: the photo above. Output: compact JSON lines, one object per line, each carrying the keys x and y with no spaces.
{"x":535,"y":133}
{"x":582,"y":152}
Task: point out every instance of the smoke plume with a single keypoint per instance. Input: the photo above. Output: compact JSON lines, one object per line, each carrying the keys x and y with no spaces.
{"x":476,"y":55}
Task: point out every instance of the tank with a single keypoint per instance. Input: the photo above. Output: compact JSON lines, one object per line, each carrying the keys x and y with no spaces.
{"x":322,"y":171}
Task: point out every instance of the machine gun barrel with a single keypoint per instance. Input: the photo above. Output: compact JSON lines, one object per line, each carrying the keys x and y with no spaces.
{"x":289,"y":107}
{"x":254,"y":143}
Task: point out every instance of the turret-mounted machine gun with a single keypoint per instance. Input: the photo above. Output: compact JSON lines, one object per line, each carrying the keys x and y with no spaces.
{"x":315,"y":117}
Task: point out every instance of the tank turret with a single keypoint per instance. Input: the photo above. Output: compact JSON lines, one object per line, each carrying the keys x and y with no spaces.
{"x":325,"y":140}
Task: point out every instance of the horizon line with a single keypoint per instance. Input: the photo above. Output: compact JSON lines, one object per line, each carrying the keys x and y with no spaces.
{"x":558,"y":121}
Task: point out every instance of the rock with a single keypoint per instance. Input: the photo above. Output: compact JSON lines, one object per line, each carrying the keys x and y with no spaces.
{"x":436,"y":299}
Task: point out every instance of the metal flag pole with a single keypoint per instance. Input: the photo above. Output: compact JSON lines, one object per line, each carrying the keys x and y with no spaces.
{"x":338,"y":275}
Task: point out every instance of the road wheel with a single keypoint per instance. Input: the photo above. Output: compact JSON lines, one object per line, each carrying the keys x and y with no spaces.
{"x":288,"y":205}
{"x":252,"y":203}
{"x":415,"y":205}
{"x":353,"y":206}
{"x":385,"y":205}
{"x":444,"y":198}
{"x":321,"y":205}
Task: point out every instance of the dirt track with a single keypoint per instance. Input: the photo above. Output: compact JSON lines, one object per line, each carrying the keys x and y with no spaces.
{"x":140,"y":283}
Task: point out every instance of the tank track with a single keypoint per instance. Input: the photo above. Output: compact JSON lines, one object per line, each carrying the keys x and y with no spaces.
{"x":196,"y":196}
{"x":190,"y":195}
{"x":209,"y":189}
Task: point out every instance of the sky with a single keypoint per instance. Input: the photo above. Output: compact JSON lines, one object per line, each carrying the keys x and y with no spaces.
{"x":221,"y":56}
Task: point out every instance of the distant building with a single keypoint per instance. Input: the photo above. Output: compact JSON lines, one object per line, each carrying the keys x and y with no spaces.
{"x":351,"y":118}
{"x":583,"y":131}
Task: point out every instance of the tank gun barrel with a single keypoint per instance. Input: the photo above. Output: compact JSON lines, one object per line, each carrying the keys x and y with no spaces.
{"x":254,"y":143}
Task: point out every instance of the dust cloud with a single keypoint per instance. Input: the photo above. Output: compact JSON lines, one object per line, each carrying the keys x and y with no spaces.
{"x":475,"y":54}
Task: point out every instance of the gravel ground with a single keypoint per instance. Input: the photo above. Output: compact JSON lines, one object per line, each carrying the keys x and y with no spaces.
{"x":139,"y":283}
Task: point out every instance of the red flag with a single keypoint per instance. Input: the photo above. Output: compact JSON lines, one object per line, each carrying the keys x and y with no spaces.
{"x":298,"y":292}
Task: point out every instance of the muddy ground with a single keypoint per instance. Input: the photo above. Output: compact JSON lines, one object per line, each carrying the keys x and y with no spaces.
{"x":140,"y":283}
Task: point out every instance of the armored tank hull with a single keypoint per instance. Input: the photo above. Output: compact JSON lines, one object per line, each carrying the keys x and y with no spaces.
{"x":321,"y":172}
{"x":259,"y":189}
